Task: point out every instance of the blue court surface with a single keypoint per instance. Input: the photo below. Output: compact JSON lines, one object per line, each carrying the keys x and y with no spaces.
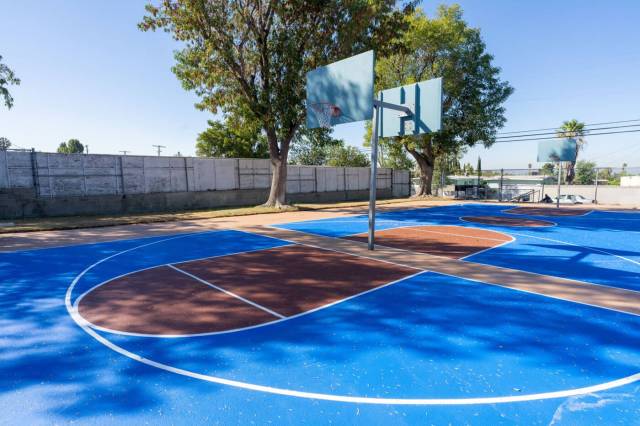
{"x":428,"y":349}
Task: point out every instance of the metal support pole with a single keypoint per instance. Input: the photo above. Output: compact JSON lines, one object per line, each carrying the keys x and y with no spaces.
{"x":373,"y":178}
{"x":501,"y":182}
{"x":595,"y":195}
{"x":559,"y":179}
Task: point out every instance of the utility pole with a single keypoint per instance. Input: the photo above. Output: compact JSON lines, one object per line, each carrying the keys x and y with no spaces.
{"x":159,"y":147}
{"x":124,"y":152}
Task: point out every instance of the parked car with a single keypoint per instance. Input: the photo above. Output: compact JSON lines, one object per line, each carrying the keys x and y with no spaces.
{"x":573,"y":199}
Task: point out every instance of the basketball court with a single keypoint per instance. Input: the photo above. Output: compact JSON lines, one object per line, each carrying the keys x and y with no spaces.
{"x":297,"y":322}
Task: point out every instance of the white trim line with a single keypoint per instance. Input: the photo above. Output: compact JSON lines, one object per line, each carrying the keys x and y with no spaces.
{"x":227,"y":292}
{"x":577,"y":245}
{"x":538,"y":294}
{"x":335,"y":250}
{"x":507,"y":211}
{"x":79,"y":298}
{"x":461,"y":235}
{"x":461,"y":218}
{"x":464,"y":258}
{"x":320,"y":396}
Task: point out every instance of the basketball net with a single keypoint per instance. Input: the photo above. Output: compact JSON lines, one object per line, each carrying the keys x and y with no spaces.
{"x":325,"y":112}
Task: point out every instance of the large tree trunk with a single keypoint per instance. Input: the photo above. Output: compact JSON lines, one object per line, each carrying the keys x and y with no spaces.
{"x":278,"y":154}
{"x":278,"y":192}
{"x":426,"y":163}
{"x":571,"y":173}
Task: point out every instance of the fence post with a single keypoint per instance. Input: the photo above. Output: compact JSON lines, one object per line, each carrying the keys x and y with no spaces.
{"x":6,"y":167}
{"x":186,"y":173}
{"x":559,"y":183}
{"x":34,"y":172}
{"x":122,"y":175}
{"x":84,"y":173}
{"x":595,"y":195}
{"x":500,"y":190}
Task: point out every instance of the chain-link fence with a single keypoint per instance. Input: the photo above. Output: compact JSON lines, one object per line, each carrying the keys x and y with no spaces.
{"x":619,"y":184}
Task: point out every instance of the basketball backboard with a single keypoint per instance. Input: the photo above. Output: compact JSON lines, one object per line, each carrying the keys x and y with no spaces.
{"x":344,"y":89}
{"x":423,"y":98}
{"x":557,"y":150}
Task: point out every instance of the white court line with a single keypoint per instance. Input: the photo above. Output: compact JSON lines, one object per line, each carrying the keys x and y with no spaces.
{"x":79,"y":298}
{"x":320,"y":396}
{"x":462,"y":219}
{"x":330,"y":249}
{"x":126,"y":333}
{"x":577,"y":245}
{"x":508,"y":211}
{"x":247,"y":301}
{"x":264,"y":324}
{"x":459,"y":235}
{"x":487,"y":249}
{"x":538,"y":294}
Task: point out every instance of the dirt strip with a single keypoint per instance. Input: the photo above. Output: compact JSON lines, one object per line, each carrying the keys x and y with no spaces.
{"x":576,"y":291}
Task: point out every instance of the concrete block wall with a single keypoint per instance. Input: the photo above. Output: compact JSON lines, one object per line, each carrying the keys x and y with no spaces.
{"x":52,"y":184}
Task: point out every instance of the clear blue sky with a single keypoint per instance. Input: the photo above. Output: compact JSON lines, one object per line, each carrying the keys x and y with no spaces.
{"x":89,"y":73}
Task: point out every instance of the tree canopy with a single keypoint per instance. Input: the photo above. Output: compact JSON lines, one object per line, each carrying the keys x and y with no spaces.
{"x":72,"y":146}
{"x":310,"y":147}
{"x":445,"y":46}
{"x":585,"y":173}
{"x":233,"y":138}
{"x":346,"y":156}
{"x":7,"y":77}
{"x":256,"y":53}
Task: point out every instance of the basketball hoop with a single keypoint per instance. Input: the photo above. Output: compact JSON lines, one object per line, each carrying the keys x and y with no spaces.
{"x":325,"y":112}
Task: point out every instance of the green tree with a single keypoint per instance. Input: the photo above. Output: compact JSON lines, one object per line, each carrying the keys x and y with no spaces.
{"x":233,"y":138}
{"x":605,"y":175}
{"x":7,"y":77}
{"x":72,"y":146}
{"x":445,"y":46}
{"x":5,"y":144}
{"x":585,"y":173}
{"x":467,"y":170}
{"x":390,"y":154}
{"x":256,"y":53}
{"x":446,"y":165}
{"x":310,"y":147}
{"x":573,"y":129}
{"x":346,"y":156}
{"x":548,"y":169}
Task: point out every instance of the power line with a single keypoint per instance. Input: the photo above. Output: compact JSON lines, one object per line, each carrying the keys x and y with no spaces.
{"x":556,"y":128}
{"x":563,"y":137}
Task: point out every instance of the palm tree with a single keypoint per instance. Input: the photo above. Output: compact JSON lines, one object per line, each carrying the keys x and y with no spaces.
{"x":573,"y":129}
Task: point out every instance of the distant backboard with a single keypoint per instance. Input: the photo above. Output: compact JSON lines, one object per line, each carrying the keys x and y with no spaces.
{"x":424,"y":98}
{"x":557,"y":150}
{"x":342,"y":90}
